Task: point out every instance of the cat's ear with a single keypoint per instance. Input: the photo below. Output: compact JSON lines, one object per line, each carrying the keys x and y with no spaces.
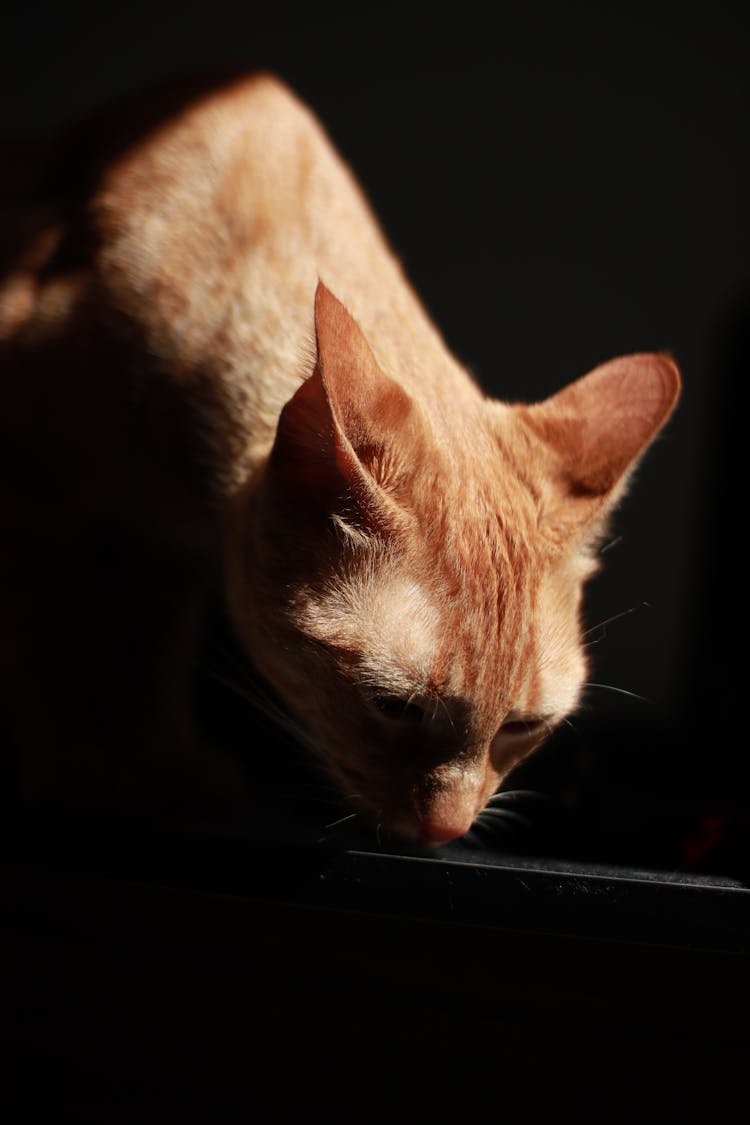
{"x":599,"y":426}
{"x":349,"y":434}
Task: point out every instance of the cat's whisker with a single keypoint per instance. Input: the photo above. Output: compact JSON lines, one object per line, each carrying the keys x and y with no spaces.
{"x":262,"y":703}
{"x":252,"y":694}
{"x":617,"y":617}
{"x":611,"y":544}
{"x":517,"y":795}
{"x":508,"y":815}
{"x":233,"y":685}
{"x":444,"y":705}
{"x":601,"y":629}
{"x":340,"y":821}
{"x":268,"y":710}
{"x":491,"y":828}
{"x":620,"y":691}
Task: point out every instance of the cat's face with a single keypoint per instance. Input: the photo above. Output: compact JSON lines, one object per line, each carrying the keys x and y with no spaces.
{"x":423,"y":686}
{"x":418,"y":609}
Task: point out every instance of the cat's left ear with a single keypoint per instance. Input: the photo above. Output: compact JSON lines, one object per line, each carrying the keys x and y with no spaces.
{"x":598,"y":427}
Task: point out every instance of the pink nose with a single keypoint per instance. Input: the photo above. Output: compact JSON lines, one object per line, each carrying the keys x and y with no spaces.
{"x":441,"y":831}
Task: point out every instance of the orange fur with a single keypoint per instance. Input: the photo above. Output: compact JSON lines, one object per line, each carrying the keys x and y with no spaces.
{"x":212,"y":368}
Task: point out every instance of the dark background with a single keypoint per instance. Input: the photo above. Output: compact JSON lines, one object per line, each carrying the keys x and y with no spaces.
{"x":565,"y":185}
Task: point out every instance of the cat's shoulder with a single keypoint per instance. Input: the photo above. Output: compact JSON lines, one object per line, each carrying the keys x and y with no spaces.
{"x":260,"y":88}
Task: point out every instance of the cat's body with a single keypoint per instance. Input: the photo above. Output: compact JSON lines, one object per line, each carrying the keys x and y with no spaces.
{"x":213,"y":370}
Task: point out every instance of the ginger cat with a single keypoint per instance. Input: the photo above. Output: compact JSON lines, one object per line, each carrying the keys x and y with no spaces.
{"x":214,"y":373}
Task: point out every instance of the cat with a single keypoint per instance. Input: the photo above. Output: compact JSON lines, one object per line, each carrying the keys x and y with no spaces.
{"x":214,"y":373}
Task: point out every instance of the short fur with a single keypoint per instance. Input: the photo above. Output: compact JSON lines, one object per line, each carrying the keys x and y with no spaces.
{"x":211,"y":365}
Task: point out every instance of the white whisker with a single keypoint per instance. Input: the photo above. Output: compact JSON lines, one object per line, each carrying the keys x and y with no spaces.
{"x":612,"y":543}
{"x":619,"y":690}
{"x":601,"y":627}
{"x":617,"y":617}
{"x":341,"y":820}
{"x":443,"y":704}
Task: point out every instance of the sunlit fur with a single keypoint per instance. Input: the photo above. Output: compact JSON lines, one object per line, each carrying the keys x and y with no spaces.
{"x":297,"y":428}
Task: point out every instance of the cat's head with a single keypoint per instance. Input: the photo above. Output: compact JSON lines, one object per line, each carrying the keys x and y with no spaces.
{"x":410,"y":583}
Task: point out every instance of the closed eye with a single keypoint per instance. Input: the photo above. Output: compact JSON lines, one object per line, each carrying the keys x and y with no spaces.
{"x":398,"y":710}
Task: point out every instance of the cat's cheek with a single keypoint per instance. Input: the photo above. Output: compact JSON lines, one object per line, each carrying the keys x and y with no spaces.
{"x":559,"y":681}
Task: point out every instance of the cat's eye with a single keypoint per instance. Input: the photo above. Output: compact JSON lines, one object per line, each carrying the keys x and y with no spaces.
{"x":397,"y":709}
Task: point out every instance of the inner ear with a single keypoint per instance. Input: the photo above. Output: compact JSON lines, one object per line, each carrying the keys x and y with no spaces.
{"x":349,"y":435}
{"x":377,"y":423}
{"x":599,"y":426}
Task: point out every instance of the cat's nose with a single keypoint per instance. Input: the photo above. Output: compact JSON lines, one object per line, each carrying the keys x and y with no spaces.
{"x":436,"y":830}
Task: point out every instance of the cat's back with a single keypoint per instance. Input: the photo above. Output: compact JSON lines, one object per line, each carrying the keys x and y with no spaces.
{"x":181,"y":239}
{"x":218,"y":227}
{"x":168,"y":191}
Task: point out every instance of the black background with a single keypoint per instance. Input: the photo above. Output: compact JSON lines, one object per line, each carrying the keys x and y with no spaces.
{"x":564,"y":184}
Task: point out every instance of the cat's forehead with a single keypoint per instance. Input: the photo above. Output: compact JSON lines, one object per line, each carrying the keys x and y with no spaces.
{"x":389,"y":622}
{"x":408,"y":624}
{"x":479,"y":619}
